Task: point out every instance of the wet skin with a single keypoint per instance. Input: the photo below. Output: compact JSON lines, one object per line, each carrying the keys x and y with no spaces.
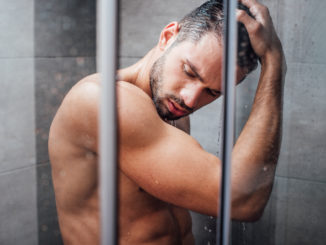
{"x":163,"y":172}
{"x":143,"y":219}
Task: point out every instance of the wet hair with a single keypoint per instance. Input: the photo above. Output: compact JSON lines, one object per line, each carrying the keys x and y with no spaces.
{"x":208,"y":18}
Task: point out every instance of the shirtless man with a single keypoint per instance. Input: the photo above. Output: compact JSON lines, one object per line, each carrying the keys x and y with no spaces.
{"x":163,"y":172}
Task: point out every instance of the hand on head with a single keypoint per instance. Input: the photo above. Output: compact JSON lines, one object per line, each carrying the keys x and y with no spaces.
{"x":262,"y":34}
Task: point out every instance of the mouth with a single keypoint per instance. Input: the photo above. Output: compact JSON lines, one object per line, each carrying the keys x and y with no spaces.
{"x":176,"y":109}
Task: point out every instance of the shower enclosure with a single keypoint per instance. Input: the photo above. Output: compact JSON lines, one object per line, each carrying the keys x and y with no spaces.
{"x":47,"y":46}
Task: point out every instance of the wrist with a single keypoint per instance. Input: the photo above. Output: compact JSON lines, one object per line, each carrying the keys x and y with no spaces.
{"x":272,"y":57}
{"x":274,"y":60}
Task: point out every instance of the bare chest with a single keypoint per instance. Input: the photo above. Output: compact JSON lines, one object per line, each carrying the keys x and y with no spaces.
{"x":144,"y":218}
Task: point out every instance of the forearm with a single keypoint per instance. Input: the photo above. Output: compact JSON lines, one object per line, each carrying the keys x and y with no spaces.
{"x":257,"y":149}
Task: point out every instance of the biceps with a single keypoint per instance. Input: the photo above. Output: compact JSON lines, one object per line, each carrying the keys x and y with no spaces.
{"x":175,"y":169}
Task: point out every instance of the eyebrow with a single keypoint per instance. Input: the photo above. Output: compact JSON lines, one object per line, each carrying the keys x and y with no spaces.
{"x":194,"y":70}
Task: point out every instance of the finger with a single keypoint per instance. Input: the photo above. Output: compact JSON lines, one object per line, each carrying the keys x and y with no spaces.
{"x":248,"y":3}
{"x":257,"y":9}
{"x":249,"y":22}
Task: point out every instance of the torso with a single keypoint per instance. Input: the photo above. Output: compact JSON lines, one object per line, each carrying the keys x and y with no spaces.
{"x":143,"y":219}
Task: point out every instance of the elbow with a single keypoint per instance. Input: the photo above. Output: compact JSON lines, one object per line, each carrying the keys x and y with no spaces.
{"x":251,"y":216}
{"x":250,"y":207}
{"x":248,"y":216}
{"x":247,"y":212}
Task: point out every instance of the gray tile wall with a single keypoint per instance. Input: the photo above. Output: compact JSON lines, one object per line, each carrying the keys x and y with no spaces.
{"x":296,"y":211}
{"x":34,"y":82}
{"x":17,"y":24}
{"x":53,"y":79}
{"x":65,"y":40}
{"x":18,"y":202}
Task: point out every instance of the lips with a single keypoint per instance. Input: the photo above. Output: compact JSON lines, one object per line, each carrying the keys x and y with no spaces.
{"x":175,"y":109}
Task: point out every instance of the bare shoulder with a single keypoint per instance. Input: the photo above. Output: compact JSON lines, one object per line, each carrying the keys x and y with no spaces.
{"x":138,"y":118}
{"x":127,"y":91}
{"x":77,"y":116}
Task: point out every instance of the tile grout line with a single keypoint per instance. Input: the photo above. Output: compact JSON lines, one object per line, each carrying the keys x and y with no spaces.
{"x":16,"y":169}
{"x":23,"y":168}
{"x":301,"y":179}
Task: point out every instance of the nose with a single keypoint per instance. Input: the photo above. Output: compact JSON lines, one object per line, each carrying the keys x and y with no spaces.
{"x":190,"y":94}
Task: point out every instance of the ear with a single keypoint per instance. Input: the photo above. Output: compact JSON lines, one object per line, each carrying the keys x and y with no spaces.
{"x":168,"y":35}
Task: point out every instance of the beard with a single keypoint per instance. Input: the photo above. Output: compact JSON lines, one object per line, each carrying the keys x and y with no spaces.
{"x":156,"y":82}
{"x":155,"y":78}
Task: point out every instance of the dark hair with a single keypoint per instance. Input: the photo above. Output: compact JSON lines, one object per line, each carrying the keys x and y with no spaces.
{"x":209,"y":18}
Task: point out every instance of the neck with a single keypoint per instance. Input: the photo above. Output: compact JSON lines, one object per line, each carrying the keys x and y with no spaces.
{"x":139,"y":73}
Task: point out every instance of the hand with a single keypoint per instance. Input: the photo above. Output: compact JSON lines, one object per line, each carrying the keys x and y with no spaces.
{"x":262,"y":34}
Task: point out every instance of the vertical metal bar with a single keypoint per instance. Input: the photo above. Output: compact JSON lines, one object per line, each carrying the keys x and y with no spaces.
{"x":229,"y":76}
{"x":107,"y":32}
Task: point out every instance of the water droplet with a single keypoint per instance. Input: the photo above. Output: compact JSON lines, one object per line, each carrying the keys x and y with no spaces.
{"x":243,"y":231}
{"x":62,"y":173}
{"x":243,"y":226}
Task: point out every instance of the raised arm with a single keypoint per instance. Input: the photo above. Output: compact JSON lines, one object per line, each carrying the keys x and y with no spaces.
{"x":171,"y":165}
{"x":257,"y":149}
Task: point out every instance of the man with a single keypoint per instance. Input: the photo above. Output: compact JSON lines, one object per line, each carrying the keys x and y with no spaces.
{"x":163,"y":172}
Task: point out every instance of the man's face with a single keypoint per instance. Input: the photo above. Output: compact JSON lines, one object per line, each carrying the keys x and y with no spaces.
{"x":188,"y":76}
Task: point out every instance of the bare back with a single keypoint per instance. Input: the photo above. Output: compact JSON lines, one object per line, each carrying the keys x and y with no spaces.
{"x":143,"y":219}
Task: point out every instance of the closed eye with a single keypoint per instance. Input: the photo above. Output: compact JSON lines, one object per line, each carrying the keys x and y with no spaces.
{"x":190,"y":72}
{"x":187,"y":71}
{"x":212,"y":92}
